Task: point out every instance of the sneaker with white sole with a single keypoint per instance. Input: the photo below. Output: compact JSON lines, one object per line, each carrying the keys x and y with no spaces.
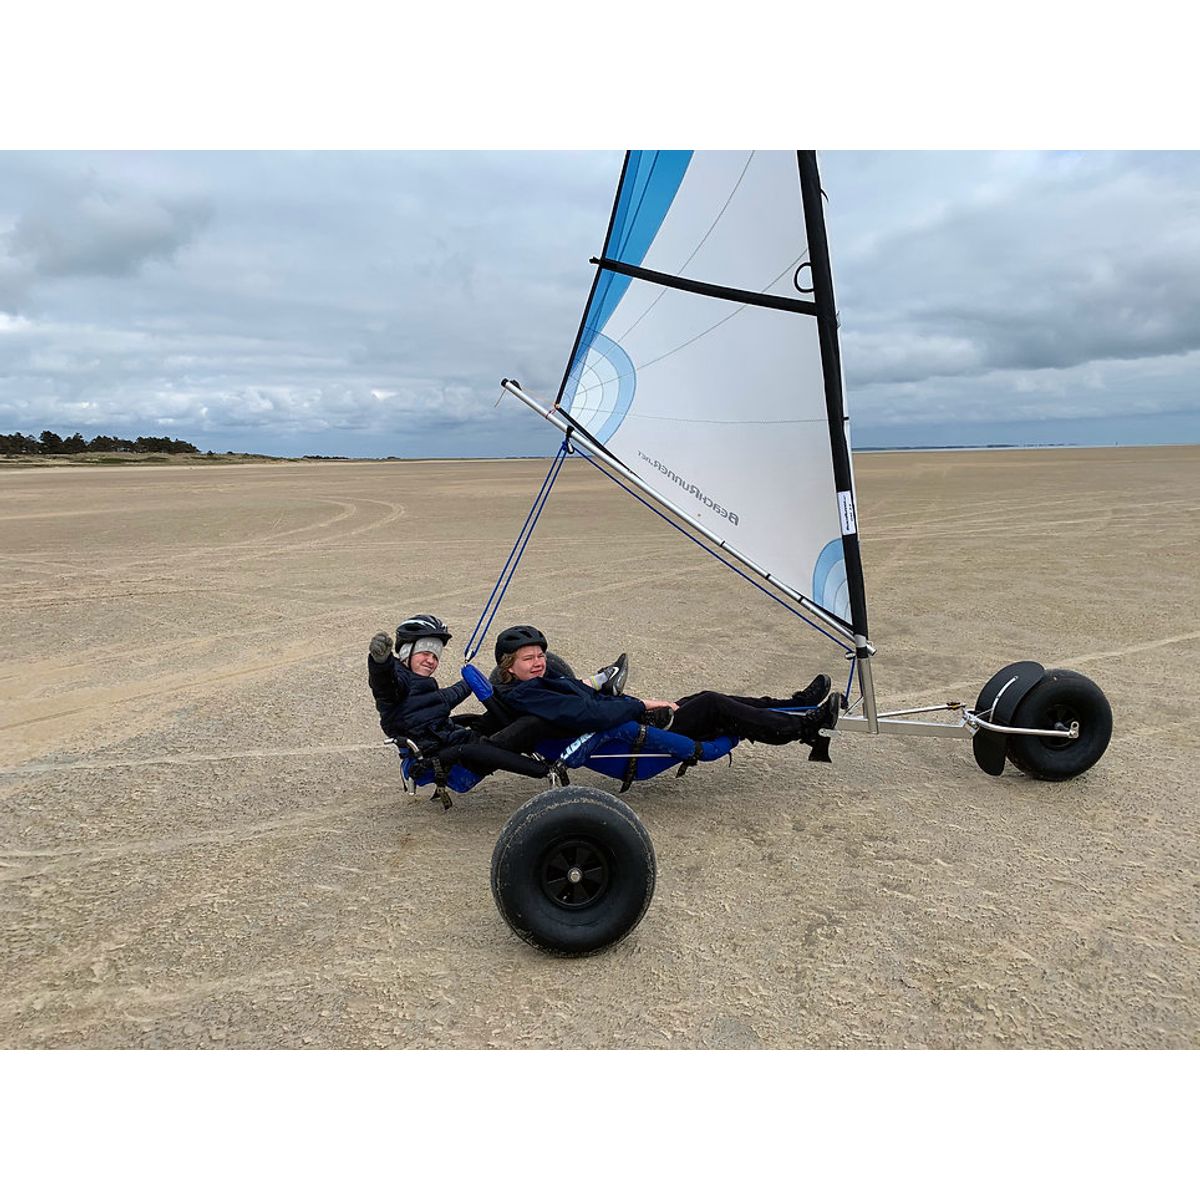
{"x":613,"y":683}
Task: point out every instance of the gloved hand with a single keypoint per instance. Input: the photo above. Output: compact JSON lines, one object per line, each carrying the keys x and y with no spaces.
{"x":381,"y":647}
{"x":659,"y":713}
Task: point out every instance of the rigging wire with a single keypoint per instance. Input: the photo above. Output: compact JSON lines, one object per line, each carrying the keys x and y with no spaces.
{"x":509,"y":569}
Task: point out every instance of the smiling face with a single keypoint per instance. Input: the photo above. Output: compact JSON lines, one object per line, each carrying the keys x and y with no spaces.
{"x":423,"y":662}
{"x":529,"y":663}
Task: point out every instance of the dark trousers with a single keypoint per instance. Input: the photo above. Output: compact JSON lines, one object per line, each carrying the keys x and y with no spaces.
{"x":483,"y":758}
{"x":523,"y":734}
{"x":503,"y":750}
{"x":713,"y":714}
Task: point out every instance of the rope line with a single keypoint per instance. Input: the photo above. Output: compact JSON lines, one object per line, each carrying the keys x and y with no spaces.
{"x":492,"y":607}
{"x":709,"y":550}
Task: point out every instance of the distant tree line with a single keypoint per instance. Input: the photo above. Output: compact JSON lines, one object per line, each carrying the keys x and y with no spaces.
{"x":51,"y":443}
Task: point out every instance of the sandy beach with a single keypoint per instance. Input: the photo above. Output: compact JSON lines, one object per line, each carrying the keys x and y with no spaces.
{"x":204,"y":843}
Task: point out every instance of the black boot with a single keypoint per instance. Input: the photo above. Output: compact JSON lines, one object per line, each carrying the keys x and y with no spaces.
{"x":825,"y":717}
{"x":813,"y":694}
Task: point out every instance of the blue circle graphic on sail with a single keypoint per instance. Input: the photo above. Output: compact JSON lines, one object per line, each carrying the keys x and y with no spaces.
{"x":615,"y":378}
{"x":830,"y":588}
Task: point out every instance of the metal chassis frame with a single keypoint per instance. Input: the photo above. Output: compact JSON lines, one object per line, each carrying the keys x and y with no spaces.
{"x":871,"y":721}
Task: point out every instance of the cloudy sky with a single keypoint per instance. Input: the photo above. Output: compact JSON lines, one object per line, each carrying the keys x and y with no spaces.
{"x":368,"y":303}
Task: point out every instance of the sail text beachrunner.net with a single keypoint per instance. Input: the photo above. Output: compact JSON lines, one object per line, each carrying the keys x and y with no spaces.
{"x":690,"y":488}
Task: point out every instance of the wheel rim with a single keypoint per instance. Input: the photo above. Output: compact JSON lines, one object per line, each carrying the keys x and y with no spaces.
{"x":1061,"y":716}
{"x":575,"y":873}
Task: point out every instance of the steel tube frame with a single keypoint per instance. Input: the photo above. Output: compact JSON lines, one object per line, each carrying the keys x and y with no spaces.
{"x":848,"y":724}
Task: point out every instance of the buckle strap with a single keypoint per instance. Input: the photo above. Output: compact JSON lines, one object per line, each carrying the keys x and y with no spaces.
{"x":697,"y":750}
{"x":440,"y":776}
{"x":631,"y":765}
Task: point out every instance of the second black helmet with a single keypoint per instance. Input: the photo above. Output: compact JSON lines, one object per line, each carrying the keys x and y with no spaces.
{"x":513,"y":638}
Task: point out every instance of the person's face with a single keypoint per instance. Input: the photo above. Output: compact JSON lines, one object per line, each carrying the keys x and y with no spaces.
{"x":530,"y":663}
{"x":423,"y":662}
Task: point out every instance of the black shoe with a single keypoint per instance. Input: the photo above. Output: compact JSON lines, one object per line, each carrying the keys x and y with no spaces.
{"x":660,"y":718}
{"x":825,"y":717}
{"x":614,"y":683}
{"x":813,"y":694}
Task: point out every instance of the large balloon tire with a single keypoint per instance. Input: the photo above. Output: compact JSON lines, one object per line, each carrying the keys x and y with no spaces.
{"x":573,"y":871}
{"x":1060,"y":698}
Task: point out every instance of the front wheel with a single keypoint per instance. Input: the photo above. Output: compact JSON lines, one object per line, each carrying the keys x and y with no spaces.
{"x":573,"y":871}
{"x":1057,"y":701}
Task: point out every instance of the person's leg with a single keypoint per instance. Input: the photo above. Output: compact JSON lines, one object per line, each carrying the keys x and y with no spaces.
{"x":712,"y":714}
{"x":805,"y":697}
{"x":523,"y":734}
{"x":483,"y":758}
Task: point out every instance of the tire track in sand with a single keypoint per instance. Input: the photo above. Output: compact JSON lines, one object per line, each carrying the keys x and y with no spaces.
{"x":40,"y":863}
{"x":172,"y":760}
{"x":1069,"y":663}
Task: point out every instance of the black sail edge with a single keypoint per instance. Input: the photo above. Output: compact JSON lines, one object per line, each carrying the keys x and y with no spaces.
{"x":831,"y":367}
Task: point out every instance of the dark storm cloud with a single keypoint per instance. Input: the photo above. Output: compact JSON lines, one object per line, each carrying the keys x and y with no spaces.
{"x":99,"y":232}
{"x":83,"y":226}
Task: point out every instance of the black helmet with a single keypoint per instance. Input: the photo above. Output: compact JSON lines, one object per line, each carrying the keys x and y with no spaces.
{"x":421,"y":626}
{"x":512,"y":639}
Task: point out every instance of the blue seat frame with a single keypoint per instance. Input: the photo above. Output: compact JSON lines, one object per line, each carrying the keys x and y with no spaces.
{"x":611,"y":752}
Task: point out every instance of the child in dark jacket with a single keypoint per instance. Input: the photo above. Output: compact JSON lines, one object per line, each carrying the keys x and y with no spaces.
{"x":526,"y":689}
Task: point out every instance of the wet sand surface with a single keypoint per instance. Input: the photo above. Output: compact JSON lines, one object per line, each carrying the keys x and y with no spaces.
{"x":203,"y":841}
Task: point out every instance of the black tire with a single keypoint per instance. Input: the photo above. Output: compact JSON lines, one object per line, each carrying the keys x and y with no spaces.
{"x":1060,"y":698}
{"x":565,"y":831}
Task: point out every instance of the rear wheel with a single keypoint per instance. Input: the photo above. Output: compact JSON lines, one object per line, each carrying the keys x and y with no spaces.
{"x":1059,"y":700}
{"x":573,"y":871}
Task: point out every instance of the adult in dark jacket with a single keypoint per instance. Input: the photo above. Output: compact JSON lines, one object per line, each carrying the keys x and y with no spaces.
{"x":525,"y":689}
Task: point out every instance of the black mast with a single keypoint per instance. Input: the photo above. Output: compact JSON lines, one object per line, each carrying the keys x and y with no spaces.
{"x":831,"y":366}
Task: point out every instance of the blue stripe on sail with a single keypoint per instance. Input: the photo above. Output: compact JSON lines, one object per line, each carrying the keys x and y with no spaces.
{"x":652,"y":179}
{"x":829,"y":586}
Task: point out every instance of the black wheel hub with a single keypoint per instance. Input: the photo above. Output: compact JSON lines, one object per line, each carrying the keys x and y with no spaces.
{"x":575,"y":873}
{"x":1060,"y":716}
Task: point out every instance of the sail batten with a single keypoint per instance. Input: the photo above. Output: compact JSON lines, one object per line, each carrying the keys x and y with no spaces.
{"x":760,"y":299}
{"x":721,"y":394}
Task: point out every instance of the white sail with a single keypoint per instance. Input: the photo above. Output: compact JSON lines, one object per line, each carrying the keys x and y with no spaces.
{"x":702,"y":367}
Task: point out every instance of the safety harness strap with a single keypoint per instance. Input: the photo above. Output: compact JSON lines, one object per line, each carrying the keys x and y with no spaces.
{"x":697,"y":750}
{"x":631,"y":765}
